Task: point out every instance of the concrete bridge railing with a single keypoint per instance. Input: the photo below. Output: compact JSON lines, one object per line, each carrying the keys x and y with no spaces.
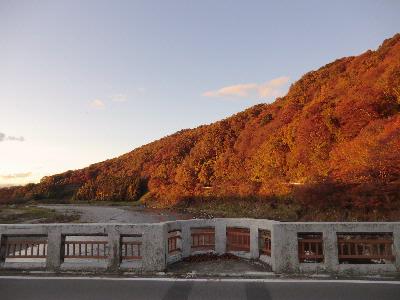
{"x":294,"y":247}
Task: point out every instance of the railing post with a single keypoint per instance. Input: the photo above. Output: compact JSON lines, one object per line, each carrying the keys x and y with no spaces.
{"x":54,"y":249}
{"x":220,"y":236}
{"x":284,"y":248}
{"x":3,"y":243}
{"x":396,"y":246}
{"x":186,"y":239}
{"x":155,"y":247}
{"x":254,"y":247}
{"x":330,"y":247}
{"x":114,"y":244}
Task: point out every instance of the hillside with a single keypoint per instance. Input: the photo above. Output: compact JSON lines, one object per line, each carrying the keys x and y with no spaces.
{"x":329,"y":149}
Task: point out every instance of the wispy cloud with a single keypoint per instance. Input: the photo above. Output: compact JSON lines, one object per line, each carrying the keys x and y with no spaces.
{"x":16,"y":175}
{"x":4,"y":137}
{"x":272,"y":88}
{"x":238,"y":90}
{"x":119,"y":98}
{"x":122,"y":97}
{"x":97,"y":103}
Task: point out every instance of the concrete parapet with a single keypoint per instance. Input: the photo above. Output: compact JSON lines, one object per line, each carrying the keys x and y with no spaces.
{"x":154,"y":255}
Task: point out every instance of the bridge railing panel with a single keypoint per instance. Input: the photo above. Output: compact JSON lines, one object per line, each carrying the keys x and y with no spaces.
{"x":365,"y":248}
{"x":310,"y":247}
{"x":203,"y":239}
{"x":131,"y":247}
{"x":174,"y":242}
{"x":265,"y":243}
{"x":25,"y":248}
{"x":85,"y":248}
{"x":237,"y":239}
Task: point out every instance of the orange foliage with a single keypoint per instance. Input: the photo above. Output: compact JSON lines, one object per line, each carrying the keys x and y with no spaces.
{"x":337,"y":126}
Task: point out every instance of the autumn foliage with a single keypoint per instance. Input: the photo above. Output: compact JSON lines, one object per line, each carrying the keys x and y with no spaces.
{"x":333,"y":142}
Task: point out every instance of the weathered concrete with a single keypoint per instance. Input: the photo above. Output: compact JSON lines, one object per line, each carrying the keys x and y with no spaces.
{"x":284,"y":236}
{"x":114,"y":242}
{"x":154,"y":247}
{"x":54,"y":242}
{"x":2,"y":250}
{"x":220,"y":237}
{"x":154,"y":238}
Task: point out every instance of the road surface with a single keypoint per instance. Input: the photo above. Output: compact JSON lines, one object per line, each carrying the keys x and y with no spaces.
{"x":17,"y":288}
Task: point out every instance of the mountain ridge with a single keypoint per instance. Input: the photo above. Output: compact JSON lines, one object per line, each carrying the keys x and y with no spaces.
{"x":335,"y":135}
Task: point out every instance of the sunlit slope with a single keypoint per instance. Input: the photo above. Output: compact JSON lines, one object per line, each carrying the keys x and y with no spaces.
{"x":338,"y":126}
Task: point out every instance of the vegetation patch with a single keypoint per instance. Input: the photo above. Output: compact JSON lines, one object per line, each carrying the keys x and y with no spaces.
{"x":31,"y":214}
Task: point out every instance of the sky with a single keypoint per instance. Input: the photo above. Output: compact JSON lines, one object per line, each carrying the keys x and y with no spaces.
{"x":85,"y":81}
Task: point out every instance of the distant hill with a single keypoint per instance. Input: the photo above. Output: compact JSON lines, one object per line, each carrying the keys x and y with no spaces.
{"x":329,"y":149}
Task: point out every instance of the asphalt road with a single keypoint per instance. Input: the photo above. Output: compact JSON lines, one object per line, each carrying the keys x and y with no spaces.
{"x":121,"y":289}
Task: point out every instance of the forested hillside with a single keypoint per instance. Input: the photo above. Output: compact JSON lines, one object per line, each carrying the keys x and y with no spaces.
{"x":329,"y":149}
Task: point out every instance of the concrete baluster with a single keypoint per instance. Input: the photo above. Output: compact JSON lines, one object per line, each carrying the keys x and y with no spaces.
{"x":114,"y":244}
{"x":254,"y":245}
{"x":54,"y":249}
{"x":220,"y":236}
{"x":396,"y":247}
{"x":330,"y":248}
{"x":3,"y":243}
{"x":155,"y":247}
{"x":186,"y":239}
{"x":284,"y":249}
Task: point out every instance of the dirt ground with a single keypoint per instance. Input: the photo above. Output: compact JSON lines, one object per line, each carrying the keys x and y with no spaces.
{"x":72,"y":213}
{"x":212,"y":265}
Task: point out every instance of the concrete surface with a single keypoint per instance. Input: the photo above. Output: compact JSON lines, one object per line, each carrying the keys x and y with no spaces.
{"x":217,"y":267}
{"x":154,"y":238}
{"x":284,"y":237}
{"x":117,"y":289}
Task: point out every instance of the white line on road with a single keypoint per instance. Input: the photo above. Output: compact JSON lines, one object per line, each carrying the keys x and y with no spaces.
{"x":204,"y":279}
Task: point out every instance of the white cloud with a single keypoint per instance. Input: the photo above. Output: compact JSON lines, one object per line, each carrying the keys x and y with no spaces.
{"x":119,"y":98}
{"x":238,"y":90}
{"x":122,"y":97}
{"x":97,"y":103}
{"x":272,"y":88}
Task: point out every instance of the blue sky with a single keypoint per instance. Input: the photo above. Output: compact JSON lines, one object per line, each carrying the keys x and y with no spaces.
{"x":83,"y":81}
